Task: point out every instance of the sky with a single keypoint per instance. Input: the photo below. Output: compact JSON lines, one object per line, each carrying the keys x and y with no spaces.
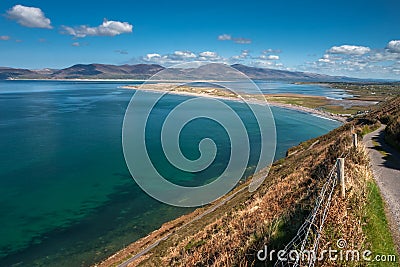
{"x":353,"y":38}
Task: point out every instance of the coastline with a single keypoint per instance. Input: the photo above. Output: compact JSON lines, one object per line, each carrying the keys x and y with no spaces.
{"x":250,"y":98}
{"x":140,"y":250}
{"x":137,"y":250}
{"x":318,"y":113}
{"x":111,"y":80}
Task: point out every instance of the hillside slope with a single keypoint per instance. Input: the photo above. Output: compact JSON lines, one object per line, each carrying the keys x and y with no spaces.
{"x":233,"y":233}
{"x":389,"y":114}
{"x":6,"y":73}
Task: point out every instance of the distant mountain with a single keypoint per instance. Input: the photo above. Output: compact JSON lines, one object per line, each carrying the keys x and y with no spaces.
{"x":6,"y":73}
{"x":102,"y":71}
{"x":274,"y":74}
{"x":145,"y":71}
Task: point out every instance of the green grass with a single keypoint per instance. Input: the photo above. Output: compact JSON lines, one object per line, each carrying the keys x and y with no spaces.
{"x":366,"y":129}
{"x":369,"y":91}
{"x":194,"y":244}
{"x":378,"y":148}
{"x":321,"y":103}
{"x":338,"y":109}
{"x":376,"y":227}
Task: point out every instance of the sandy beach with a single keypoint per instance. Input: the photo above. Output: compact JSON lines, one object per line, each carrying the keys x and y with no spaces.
{"x":211,"y":92}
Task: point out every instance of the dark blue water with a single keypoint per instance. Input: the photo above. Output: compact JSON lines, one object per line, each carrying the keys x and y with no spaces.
{"x":66,"y":195}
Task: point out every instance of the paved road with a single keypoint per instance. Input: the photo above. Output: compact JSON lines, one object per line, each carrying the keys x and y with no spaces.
{"x":386,"y":170}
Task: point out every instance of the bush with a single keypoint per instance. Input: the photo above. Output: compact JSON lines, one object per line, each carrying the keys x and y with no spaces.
{"x":392,"y":132}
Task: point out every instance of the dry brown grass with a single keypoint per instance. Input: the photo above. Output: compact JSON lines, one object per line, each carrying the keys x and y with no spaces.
{"x":345,"y":217}
{"x":233,"y":233}
{"x":232,"y":236}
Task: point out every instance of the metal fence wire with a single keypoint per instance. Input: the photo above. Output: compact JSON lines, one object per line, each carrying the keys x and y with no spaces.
{"x":302,"y":249}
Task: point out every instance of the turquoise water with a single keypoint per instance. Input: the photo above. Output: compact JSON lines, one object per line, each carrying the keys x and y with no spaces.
{"x":66,"y":196}
{"x":273,"y":87}
{"x":269,"y":87}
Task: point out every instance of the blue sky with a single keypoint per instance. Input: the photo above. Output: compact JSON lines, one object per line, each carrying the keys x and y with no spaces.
{"x":353,"y":38}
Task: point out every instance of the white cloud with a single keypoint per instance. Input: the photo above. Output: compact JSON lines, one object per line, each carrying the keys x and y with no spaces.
{"x":184,"y":54}
{"x":325,"y":60}
{"x":208,"y":54}
{"x":359,"y":61}
{"x":241,"y":40}
{"x":269,"y":57}
{"x":5,"y":38}
{"x":385,"y":55}
{"x":244,"y":57}
{"x":272,"y":51}
{"x":79,"y":44}
{"x":181,"y":57}
{"x":155,"y":58}
{"x":266,"y":60}
{"x":349,"y":50}
{"x":169,"y":59}
{"x":262,"y":61}
{"x":224,"y":37}
{"x":262,"y":64}
{"x":31,"y":17}
{"x":238,"y":40}
{"x":393,"y":46}
{"x":108,"y":28}
{"x":149,"y":57}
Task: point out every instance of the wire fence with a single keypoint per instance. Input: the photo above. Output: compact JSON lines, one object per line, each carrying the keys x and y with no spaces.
{"x":302,"y":249}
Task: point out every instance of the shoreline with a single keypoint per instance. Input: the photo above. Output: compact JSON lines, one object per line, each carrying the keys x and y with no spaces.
{"x":115,"y":80}
{"x":319,"y":113}
{"x":137,"y":250}
{"x":311,"y":111}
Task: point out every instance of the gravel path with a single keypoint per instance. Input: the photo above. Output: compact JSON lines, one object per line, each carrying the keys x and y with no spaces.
{"x":385,"y":163}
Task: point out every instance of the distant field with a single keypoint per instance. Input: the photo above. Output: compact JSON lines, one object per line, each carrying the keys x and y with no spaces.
{"x":365,"y":95}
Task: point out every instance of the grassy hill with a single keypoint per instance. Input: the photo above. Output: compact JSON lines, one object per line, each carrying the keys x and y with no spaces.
{"x":389,"y":114}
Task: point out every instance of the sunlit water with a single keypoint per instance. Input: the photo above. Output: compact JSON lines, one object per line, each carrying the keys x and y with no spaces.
{"x":66,"y":195}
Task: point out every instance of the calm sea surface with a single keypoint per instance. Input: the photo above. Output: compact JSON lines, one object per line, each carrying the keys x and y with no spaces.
{"x":66,"y":195}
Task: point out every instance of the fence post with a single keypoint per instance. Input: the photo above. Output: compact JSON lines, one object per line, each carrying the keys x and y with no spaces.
{"x":355,"y":140}
{"x":340,"y":174}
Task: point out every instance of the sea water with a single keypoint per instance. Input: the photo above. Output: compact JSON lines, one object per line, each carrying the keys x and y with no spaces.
{"x":66,"y":195}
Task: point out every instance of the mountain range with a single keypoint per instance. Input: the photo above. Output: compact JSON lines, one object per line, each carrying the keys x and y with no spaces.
{"x":145,"y":71}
